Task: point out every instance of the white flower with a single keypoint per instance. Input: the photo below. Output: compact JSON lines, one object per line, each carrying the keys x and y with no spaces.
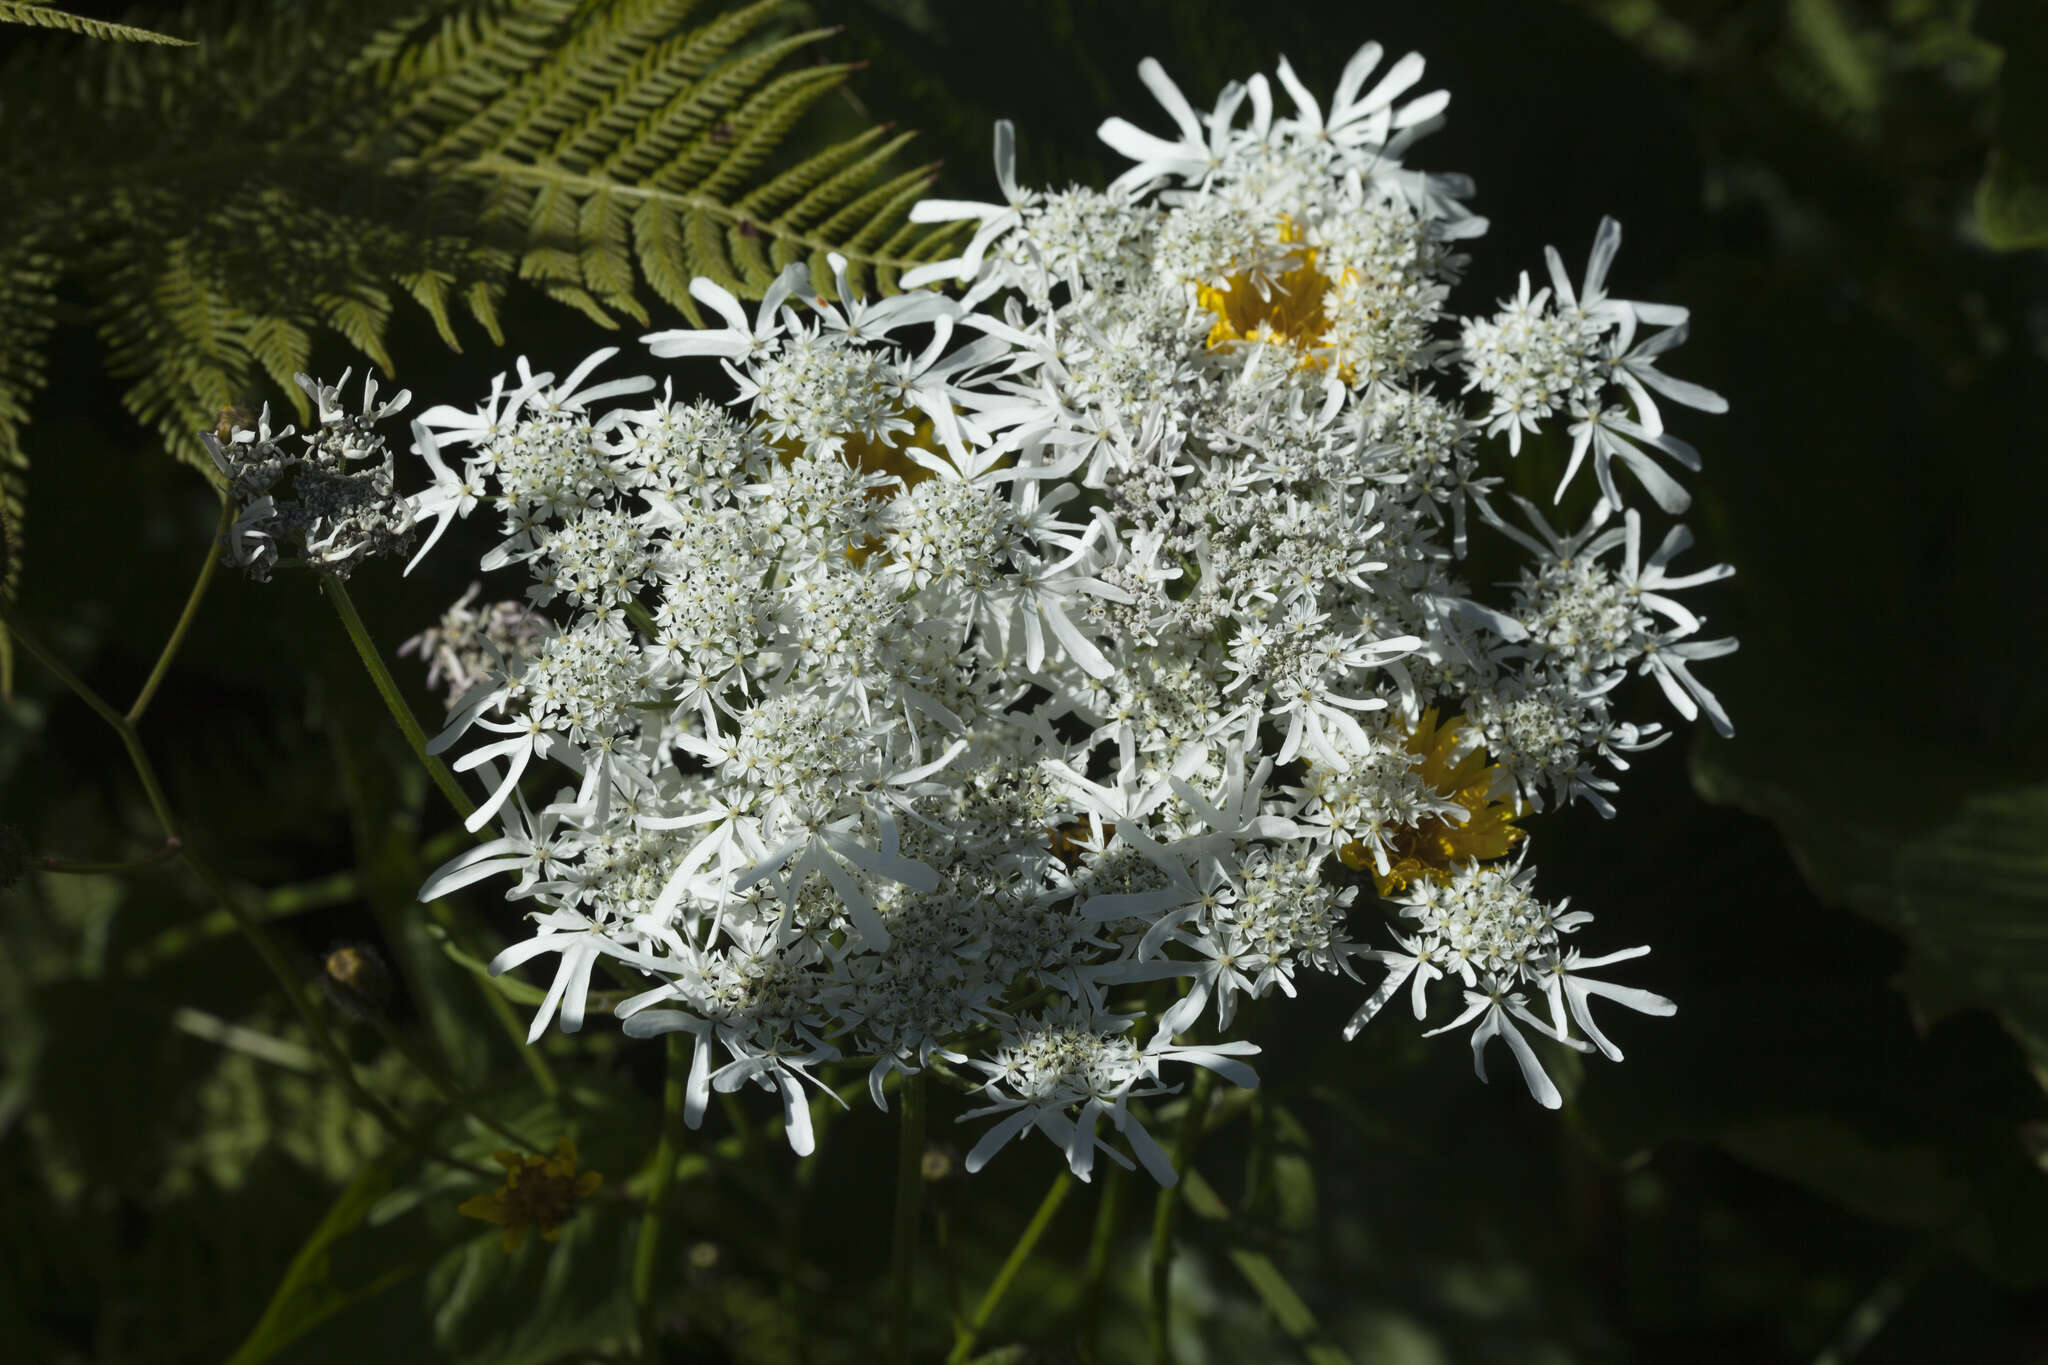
{"x":1367,"y":120}
{"x":982,"y":661}
{"x":581,"y":942}
{"x":991,"y":220}
{"x":739,"y":339}
{"x":1197,"y":155}
{"x":1497,"y":1009}
{"x":1568,"y":990}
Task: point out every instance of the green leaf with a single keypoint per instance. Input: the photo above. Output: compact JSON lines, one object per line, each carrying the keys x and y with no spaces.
{"x":491,"y":1307}
{"x":2012,"y":205}
{"x":1969,"y":890}
{"x":2012,"y":198}
{"x":1896,"y":1185}
{"x":309,"y":1294}
{"x":1264,"y":1277}
{"x":37,"y":14}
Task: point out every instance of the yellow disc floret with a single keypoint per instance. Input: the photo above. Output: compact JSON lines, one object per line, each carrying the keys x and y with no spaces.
{"x":1275,"y":302}
{"x":1430,"y":848}
{"x":540,"y":1192}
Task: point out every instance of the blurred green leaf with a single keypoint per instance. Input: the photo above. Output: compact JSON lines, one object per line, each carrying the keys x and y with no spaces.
{"x":1970,"y":890}
{"x":490,"y":1307}
{"x":309,"y":1294}
{"x":2012,"y":198}
{"x":2012,"y":205}
{"x":1899,"y":1185}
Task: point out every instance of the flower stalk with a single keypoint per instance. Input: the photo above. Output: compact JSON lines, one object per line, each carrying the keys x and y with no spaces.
{"x":647,"y":1247}
{"x":909,"y":1205}
{"x":1165,"y":1213}
{"x":1027,"y":1242}
{"x":387,"y":687}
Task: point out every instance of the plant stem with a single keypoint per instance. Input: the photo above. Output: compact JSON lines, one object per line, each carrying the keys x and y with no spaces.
{"x":1099,"y":1243}
{"x":259,"y":938}
{"x":394,"y":700}
{"x":648,"y":1248}
{"x":642,"y":619}
{"x":408,"y":724}
{"x":909,"y":1197}
{"x":444,"y":1084}
{"x":185,"y":618}
{"x":1027,"y":1242}
{"x":1164,"y":1213}
{"x":168,"y":850}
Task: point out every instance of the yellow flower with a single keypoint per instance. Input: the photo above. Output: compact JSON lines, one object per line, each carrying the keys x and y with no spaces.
{"x":870,"y":456}
{"x":1281,"y":307}
{"x":1430,"y":849}
{"x":539,"y":1192}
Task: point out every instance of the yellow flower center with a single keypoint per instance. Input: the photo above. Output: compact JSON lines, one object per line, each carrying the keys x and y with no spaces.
{"x":1278,"y":303}
{"x":870,"y":456}
{"x":1429,"y":849}
{"x":539,"y":1192}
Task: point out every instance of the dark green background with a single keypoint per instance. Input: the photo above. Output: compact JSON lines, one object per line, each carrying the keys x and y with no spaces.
{"x":1849,"y":900}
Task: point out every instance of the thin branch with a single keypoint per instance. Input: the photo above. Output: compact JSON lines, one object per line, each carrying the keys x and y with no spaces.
{"x":394,"y":700}
{"x":185,"y":618}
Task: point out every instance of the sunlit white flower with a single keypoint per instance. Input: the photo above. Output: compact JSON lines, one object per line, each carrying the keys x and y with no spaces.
{"x":986,"y":681}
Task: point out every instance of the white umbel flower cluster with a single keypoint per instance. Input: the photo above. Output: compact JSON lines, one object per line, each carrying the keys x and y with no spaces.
{"x":1012,"y":684}
{"x":328,"y":507}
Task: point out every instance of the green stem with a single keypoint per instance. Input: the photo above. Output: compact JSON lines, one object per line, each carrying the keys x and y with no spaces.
{"x":408,"y":724}
{"x":444,"y":1085}
{"x":387,"y":687}
{"x":647,"y":1249}
{"x":1100,"y":1243}
{"x":642,"y":619}
{"x":1027,"y":1242}
{"x":909,"y":1197}
{"x":64,"y":675}
{"x":68,"y":865}
{"x":1164,"y":1213}
{"x":259,"y":938}
{"x":185,"y":618}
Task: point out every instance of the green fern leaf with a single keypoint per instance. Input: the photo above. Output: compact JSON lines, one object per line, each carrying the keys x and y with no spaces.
{"x":37,"y":14}
{"x":27,"y":302}
{"x":289,"y":181}
{"x":658,"y":244}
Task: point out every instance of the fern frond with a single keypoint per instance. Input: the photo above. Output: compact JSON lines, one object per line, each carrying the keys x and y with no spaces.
{"x":283,"y":348}
{"x":814,"y":187}
{"x":27,"y":304}
{"x":602,"y":228}
{"x":657,"y":77}
{"x":36,"y":14}
{"x":658,"y":246}
{"x":221,"y":210}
